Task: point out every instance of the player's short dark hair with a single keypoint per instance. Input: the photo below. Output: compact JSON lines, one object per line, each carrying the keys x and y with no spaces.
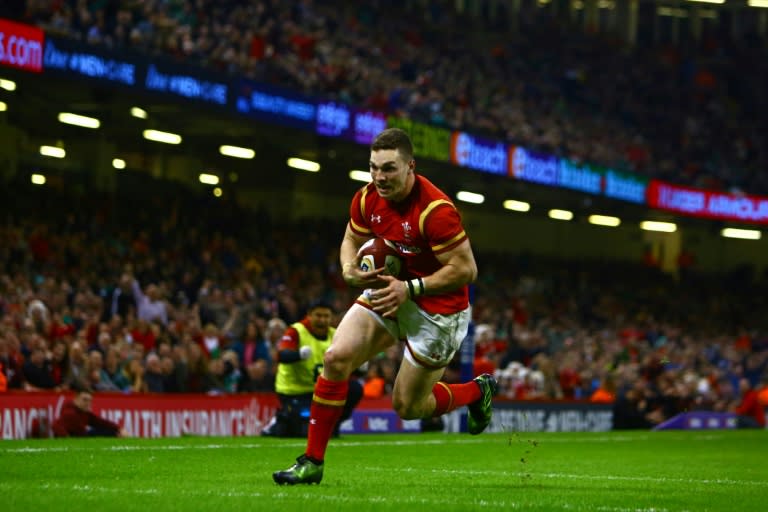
{"x":394,"y":138}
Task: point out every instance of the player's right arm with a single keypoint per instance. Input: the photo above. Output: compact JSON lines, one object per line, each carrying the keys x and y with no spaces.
{"x":357,"y":233}
{"x":350,"y":262}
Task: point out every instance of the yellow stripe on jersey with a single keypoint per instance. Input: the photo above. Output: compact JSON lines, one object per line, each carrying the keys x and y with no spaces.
{"x":363,"y":193}
{"x":355,"y":226}
{"x":439,"y":247}
{"x":431,"y":206}
{"x":334,"y":403}
{"x":358,"y":227}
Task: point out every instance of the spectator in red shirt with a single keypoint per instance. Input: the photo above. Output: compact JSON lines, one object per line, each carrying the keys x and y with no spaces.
{"x":78,"y":420}
{"x":486,"y":353}
{"x":751,"y":412}
{"x":144,"y":334}
{"x":762,"y":392}
{"x":58,"y":328}
{"x":569,"y":380}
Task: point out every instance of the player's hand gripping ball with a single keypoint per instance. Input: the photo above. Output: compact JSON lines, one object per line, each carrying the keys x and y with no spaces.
{"x":377,"y":253}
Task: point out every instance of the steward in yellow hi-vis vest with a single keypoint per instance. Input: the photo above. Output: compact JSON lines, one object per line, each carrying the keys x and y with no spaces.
{"x":299,"y":361}
{"x":299,"y":376}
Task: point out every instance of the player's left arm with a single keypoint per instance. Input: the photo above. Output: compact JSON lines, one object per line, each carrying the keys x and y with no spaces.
{"x":458,"y":269}
{"x":441,"y":225}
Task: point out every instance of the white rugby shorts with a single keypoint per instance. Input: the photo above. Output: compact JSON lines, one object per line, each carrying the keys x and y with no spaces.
{"x":430,"y":340}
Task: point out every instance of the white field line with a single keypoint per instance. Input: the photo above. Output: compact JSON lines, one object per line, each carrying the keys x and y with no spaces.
{"x":234,"y":446}
{"x":317,"y":498}
{"x":342,"y":443}
{"x":574,"y":476}
{"x":354,"y":444}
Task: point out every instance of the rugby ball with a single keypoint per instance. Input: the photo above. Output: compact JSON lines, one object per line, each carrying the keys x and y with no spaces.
{"x":377,"y":253}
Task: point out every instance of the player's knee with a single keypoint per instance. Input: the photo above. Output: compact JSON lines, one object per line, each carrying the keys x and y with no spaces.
{"x":406,"y":409}
{"x":336,"y":366}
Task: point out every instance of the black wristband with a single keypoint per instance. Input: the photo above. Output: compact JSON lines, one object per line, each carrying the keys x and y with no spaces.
{"x":411,"y":292}
{"x":416,"y":287}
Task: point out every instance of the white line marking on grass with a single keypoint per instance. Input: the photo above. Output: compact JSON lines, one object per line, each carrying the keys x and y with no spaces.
{"x":605,"y":439}
{"x":233,"y":446}
{"x":319,"y":498}
{"x":719,"y":481}
{"x":42,"y":449}
{"x":344,"y":443}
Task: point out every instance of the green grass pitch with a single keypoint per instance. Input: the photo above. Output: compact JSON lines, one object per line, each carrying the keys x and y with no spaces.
{"x":616,"y":471}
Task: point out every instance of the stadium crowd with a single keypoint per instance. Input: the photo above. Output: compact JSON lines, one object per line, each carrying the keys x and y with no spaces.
{"x":179,"y":298}
{"x":105,"y":300}
{"x":683,"y":113}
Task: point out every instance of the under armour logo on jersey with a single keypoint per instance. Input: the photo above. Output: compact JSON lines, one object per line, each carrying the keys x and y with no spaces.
{"x":376,"y":218}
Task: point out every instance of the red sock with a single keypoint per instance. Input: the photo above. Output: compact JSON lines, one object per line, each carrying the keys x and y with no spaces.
{"x":327,"y":406}
{"x":452,"y":396}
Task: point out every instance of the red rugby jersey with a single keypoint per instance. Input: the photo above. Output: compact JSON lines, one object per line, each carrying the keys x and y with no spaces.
{"x":422,"y":226}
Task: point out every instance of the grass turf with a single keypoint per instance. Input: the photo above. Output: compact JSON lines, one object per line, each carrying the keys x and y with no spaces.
{"x":617,"y":471}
